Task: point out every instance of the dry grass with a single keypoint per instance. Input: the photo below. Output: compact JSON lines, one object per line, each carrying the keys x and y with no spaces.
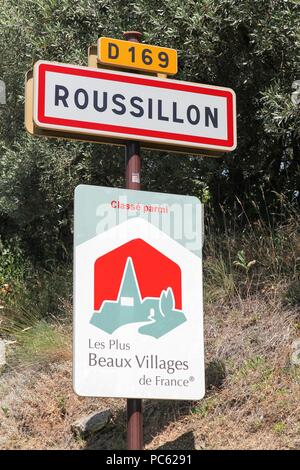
{"x":252,"y":319}
{"x":39,"y":405}
{"x":255,"y":407}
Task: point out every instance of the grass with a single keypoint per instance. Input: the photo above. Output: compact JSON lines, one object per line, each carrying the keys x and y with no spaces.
{"x":254,"y":406}
{"x":279,"y":427}
{"x":204,"y":408}
{"x":252,"y":318}
{"x":262,"y":256}
{"x":35,"y":313}
{"x":42,"y":342}
{"x":260,"y":390}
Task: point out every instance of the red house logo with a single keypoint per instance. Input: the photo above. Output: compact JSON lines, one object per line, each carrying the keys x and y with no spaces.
{"x":136,"y":283}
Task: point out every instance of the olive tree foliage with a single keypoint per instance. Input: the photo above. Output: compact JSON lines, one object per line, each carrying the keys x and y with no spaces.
{"x":252,"y":46}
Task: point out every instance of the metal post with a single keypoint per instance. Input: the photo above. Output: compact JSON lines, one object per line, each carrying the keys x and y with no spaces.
{"x":135,"y":440}
{"x":133,"y":165}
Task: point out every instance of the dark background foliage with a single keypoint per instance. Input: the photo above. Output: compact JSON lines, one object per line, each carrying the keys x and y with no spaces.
{"x":252,"y":46}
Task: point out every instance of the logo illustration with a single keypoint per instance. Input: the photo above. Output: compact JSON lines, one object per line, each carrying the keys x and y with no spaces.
{"x":144,"y":286}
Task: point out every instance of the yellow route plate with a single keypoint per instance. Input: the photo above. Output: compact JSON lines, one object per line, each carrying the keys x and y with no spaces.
{"x":138,"y":56}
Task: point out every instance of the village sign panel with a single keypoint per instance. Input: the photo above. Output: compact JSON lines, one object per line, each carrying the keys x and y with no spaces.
{"x":138,"y":294}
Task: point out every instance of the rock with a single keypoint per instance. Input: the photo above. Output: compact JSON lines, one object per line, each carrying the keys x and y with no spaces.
{"x":295,"y":356}
{"x":91,"y":424}
{"x":2,"y":353}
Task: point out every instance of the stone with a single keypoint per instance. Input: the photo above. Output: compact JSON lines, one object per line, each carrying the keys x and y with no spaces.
{"x":2,"y":352}
{"x":88,"y":425}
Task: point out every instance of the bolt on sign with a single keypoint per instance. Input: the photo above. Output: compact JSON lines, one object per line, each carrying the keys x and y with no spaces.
{"x":139,"y":56}
{"x":120,"y":106}
{"x":138,"y":328}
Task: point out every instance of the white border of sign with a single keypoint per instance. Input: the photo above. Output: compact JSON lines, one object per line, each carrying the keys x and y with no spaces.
{"x":185,"y":342}
{"x":113,"y":132}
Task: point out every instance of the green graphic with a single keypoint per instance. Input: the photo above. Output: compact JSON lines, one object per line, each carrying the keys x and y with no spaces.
{"x":159,"y":313}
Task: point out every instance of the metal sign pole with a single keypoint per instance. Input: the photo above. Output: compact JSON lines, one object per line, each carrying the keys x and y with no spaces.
{"x":135,"y":438}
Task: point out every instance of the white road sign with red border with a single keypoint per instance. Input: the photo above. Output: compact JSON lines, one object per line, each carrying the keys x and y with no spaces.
{"x":127,"y":106}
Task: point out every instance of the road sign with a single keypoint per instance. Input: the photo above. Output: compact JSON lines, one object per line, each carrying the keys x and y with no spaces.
{"x":119,"y":106}
{"x":138,"y":56}
{"x":138,"y":329}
